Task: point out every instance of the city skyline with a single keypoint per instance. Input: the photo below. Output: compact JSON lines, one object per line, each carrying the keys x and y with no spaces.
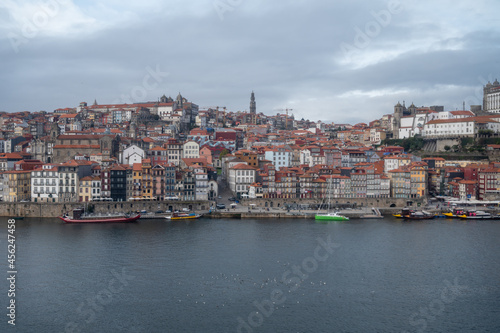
{"x":346,"y":63}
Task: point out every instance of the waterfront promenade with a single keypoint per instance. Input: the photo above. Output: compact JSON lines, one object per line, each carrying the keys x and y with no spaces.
{"x":240,"y":210}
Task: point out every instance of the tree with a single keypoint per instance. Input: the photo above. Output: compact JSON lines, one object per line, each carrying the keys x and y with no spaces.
{"x":224,"y":152}
{"x":447,"y":148}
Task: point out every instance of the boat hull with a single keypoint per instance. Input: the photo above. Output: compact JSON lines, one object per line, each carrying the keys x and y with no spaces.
{"x":102,"y":220}
{"x":187,"y":217}
{"x":428,"y":217}
{"x":330,"y":218}
{"x":476,"y":217}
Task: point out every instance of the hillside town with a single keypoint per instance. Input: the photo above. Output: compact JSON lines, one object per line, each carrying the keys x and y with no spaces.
{"x":173,"y":149}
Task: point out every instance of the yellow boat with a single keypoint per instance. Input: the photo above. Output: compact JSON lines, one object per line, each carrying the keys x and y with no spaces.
{"x":183,"y":216}
{"x":397,"y":215}
{"x":455,"y":212}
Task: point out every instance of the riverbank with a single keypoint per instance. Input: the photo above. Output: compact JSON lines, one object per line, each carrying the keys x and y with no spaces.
{"x":240,"y":211}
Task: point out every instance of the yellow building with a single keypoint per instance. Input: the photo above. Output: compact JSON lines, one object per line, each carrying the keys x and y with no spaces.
{"x":17,"y":186}
{"x":85,"y":191}
{"x":418,"y":179}
{"x":137,"y":180}
{"x":147,"y":179}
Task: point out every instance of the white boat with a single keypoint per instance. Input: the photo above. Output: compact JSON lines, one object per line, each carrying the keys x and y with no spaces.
{"x":333,"y":216}
{"x":476,"y":215}
{"x":329,"y":215}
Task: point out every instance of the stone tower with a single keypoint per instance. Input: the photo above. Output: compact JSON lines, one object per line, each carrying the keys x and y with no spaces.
{"x":54,"y":131}
{"x":412,"y":109}
{"x":253,"y":106}
{"x":396,"y":122}
{"x":180,"y":101}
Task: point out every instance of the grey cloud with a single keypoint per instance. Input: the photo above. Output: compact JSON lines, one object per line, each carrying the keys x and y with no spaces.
{"x":288,"y":53}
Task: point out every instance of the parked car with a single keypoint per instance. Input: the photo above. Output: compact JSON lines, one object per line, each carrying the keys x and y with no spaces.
{"x":220,"y":206}
{"x":232,"y":199}
{"x":220,"y":196}
{"x":185,"y":209}
{"x":159,"y":212}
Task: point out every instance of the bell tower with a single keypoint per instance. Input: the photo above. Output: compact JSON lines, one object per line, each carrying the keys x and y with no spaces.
{"x":253,"y":105}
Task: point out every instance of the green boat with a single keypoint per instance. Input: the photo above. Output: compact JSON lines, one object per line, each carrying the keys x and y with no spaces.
{"x":331,"y":217}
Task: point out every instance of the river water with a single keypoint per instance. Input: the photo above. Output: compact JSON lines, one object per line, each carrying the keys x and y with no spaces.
{"x":255,"y":276}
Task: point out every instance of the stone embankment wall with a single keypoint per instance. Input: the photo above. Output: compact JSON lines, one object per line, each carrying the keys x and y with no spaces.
{"x":370,"y":202}
{"x":32,"y":209}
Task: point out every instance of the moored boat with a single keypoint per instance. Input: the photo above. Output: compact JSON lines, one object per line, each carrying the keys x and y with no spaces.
{"x":455,"y":213}
{"x":330,"y":215}
{"x":101,"y":219}
{"x":183,"y":216}
{"x":476,"y":215}
{"x":334,"y":216}
{"x":409,"y":214}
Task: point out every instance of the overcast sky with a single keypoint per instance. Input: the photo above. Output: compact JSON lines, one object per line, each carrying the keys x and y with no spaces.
{"x":340,"y":61}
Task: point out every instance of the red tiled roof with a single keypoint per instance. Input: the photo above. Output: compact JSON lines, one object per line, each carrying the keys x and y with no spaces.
{"x":242,"y":166}
{"x":77,"y":147}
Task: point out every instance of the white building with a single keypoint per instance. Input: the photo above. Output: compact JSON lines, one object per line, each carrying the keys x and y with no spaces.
{"x":305,"y":156}
{"x":280,"y":156}
{"x":376,"y":136}
{"x":201,"y":185}
{"x":96,"y":188}
{"x":131,"y":155}
{"x":491,"y":99}
{"x":240,"y":177}
{"x":45,"y":184}
{"x":449,"y":127}
{"x":454,"y":115}
{"x":395,"y":162}
{"x":190,"y":149}
{"x":413,"y":125}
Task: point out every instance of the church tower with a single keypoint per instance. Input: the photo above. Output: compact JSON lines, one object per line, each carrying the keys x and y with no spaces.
{"x":180,"y":101}
{"x":412,"y":109}
{"x":54,"y":131}
{"x":253,"y":106}
{"x":398,"y":114}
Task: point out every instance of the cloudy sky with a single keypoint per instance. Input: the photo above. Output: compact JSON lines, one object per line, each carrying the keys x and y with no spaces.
{"x":340,"y":61}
